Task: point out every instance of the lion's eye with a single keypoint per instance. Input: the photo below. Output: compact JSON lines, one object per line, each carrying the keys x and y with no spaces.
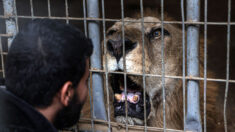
{"x":156,"y":34}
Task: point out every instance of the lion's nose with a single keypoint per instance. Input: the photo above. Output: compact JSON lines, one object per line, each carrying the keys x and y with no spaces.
{"x":115,"y":47}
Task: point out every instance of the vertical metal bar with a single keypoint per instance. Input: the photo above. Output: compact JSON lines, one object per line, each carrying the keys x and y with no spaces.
{"x":193,"y":119}
{"x":97,"y":83}
{"x":49,"y":8}
{"x":90,"y":94}
{"x":84,"y":16}
{"x":2,"y":58}
{"x":183,"y":45}
{"x":16,"y":17}
{"x":124,"y":63}
{"x":227,"y":66}
{"x":66,"y":11}
{"x":143,"y":60}
{"x":106,"y":66}
{"x":31,"y":6}
{"x":9,"y":10}
{"x":205,"y":61}
{"x":163,"y":66}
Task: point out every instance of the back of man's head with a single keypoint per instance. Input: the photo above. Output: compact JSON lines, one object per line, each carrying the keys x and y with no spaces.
{"x":42,"y":57}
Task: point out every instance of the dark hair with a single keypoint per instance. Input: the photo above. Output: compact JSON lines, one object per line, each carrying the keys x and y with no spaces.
{"x":42,"y":57}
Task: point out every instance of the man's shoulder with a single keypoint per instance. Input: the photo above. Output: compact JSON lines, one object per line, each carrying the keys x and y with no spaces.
{"x":12,"y":128}
{"x":18,"y":116}
{"x":12,"y":118}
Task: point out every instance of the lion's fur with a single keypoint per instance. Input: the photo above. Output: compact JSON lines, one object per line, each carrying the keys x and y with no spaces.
{"x":153,"y":65}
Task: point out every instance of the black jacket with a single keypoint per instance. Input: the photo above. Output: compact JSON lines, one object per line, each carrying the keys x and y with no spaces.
{"x":18,"y":116}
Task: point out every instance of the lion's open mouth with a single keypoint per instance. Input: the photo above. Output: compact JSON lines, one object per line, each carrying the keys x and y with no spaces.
{"x":134,"y":97}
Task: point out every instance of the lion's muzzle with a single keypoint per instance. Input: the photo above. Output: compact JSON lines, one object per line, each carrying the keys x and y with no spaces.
{"x":115,"y":47}
{"x":134,"y":98}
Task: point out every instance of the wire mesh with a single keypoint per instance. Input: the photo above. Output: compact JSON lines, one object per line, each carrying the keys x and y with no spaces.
{"x":14,"y":17}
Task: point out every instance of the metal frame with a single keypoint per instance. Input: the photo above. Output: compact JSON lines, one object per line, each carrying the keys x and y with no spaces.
{"x":97,"y":84}
{"x":192,"y":119}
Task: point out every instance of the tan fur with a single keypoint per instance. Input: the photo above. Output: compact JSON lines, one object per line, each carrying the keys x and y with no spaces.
{"x":153,"y":65}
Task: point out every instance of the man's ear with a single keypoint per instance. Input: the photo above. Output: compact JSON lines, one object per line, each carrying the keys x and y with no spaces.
{"x":66,"y":93}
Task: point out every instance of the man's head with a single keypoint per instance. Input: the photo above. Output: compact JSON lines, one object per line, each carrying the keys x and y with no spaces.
{"x":49,"y":59}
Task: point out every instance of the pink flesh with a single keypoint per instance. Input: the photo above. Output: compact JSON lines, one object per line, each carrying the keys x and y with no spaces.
{"x":130,"y":97}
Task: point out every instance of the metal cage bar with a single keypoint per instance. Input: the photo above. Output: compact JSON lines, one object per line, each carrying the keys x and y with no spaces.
{"x":90,"y":94}
{"x":118,"y":20}
{"x":124,"y":62}
{"x":49,"y":7}
{"x":193,"y":119}
{"x":31,"y":10}
{"x":11,"y":26}
{"x":2,"y":58}
{"x":227,"y":64}
{"x":205,"y":63}
{"x":183,"y":45}
{"x":106,"y":67}
{"x":97,"y":81}
{"x":163,"y":66}
{"x":143,"y":60}
{"x":66,"y":11}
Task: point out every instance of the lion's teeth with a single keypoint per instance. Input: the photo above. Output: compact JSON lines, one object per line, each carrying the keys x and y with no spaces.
{"x":118,"y":97}
{"x":135,"y":98}
{"x":132,"y":98}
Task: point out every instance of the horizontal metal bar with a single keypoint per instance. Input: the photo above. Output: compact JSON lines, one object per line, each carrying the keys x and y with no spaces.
{"x":4,"y":53}
{"x":118,"y":20}
{"x":159,"y":76}
{"x":167,"y":76}
{"x":121,"y":127}
{"x":6,"y":35}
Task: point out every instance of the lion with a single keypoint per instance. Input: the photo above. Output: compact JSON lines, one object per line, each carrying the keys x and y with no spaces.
{"x":134,"y":65}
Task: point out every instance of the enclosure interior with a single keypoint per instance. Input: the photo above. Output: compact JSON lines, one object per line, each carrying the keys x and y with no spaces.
{"x":216,"y":33}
